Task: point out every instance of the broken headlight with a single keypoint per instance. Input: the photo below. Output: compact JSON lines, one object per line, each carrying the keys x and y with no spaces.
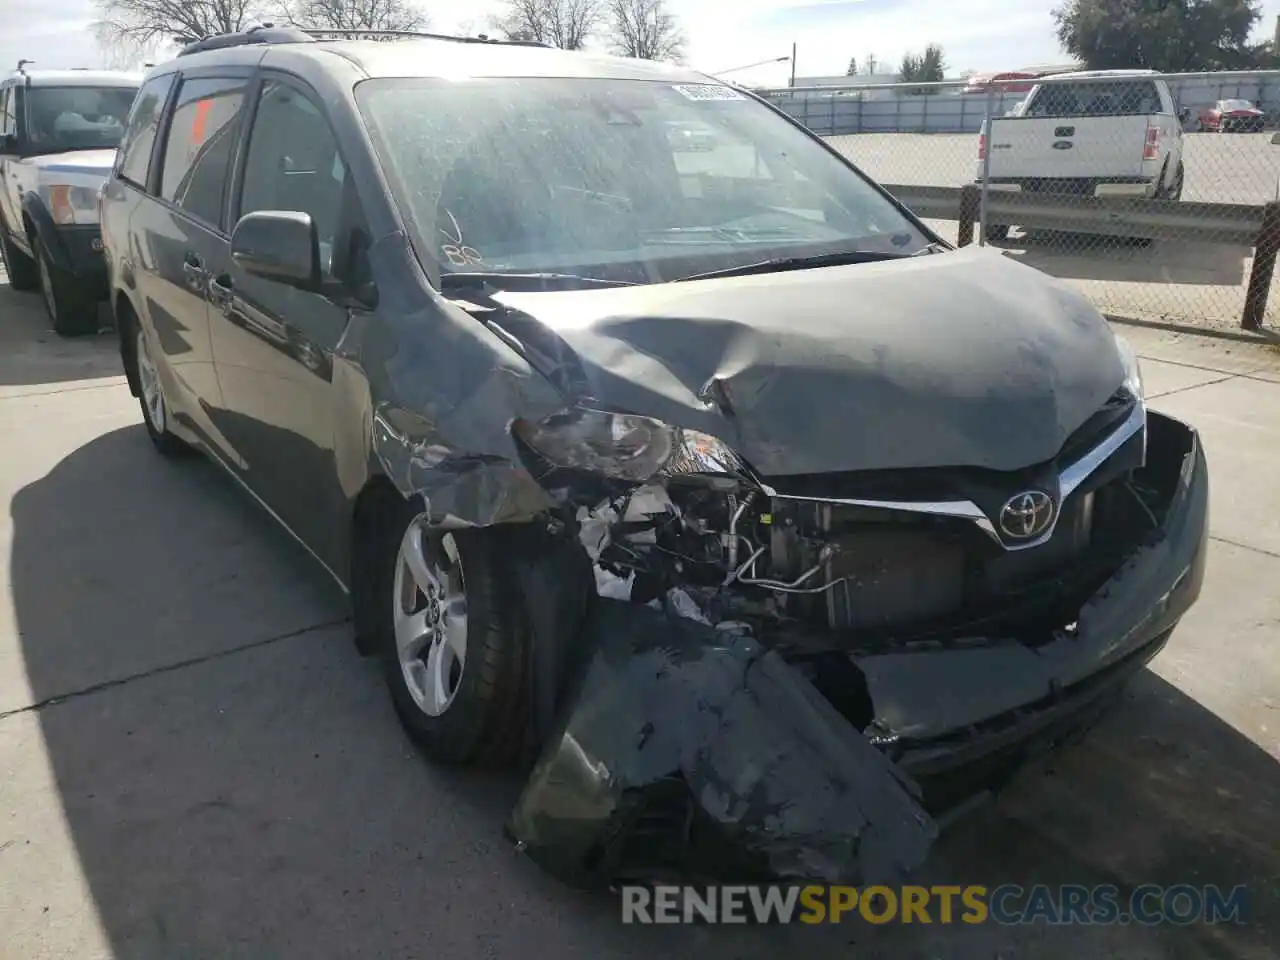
{"x":624,"y":446}
{"x":1132,"y":369}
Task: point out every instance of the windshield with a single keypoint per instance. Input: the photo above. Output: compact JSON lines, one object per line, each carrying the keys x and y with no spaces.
{"x":1235,"y":105}
{"x":77,"y":118}
{"x":627,"y":180}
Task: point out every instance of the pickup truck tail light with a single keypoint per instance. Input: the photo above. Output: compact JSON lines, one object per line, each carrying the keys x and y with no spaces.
{"x":982,"y":146}
{"x":1152,"y":149}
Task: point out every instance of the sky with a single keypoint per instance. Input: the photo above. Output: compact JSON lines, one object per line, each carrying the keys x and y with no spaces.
{"x":721,"y":34}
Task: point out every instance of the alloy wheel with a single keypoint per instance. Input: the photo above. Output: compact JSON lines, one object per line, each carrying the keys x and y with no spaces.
{"x":430,"y":617}
{"x":149,"y":381}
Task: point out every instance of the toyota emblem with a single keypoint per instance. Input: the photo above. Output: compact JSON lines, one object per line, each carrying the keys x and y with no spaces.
{"x":1026,"y":515}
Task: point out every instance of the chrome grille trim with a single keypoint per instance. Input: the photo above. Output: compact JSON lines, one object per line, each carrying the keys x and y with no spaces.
{"x":1069,"y":480}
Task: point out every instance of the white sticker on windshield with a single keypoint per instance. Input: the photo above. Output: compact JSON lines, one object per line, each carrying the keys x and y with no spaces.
{"x":708,"y":91}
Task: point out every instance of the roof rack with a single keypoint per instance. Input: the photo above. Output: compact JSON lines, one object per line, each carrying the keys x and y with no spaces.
{"x":270,"y":33}
{"x":261,"y":33}
{"x":385,"y":35}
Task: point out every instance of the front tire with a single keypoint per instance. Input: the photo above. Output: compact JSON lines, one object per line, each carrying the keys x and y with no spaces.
{"x":23,"y":274}
{"x":451,"y":638}
{"x":71,"y":306}
{"x":997,"y":232}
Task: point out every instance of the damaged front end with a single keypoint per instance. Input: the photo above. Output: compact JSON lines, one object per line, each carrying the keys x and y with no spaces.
{"x":795,"y":677}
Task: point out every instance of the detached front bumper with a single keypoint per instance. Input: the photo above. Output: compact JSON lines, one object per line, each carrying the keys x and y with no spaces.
{"x":690,"y":749}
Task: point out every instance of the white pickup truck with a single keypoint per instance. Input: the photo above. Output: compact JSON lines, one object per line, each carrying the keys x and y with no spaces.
{"x":1096,"y":133}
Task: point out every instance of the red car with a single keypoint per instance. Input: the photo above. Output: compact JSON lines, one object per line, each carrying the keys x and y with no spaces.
{"x":1011,"y":82}
{"x":1227,"y":116}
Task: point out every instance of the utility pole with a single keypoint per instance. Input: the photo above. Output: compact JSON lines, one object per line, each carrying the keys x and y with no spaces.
{"x":793,"y":64}
{"x":871,"y":64}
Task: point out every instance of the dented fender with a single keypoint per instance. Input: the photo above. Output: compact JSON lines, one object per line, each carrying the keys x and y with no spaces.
{"x":442,"y":392}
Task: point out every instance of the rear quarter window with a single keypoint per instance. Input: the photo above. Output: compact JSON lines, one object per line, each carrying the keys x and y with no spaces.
{"x":133,"y":162}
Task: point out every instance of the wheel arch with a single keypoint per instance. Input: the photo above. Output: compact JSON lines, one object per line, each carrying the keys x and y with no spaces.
{"x":377,"y":501}
{"x":126,"y":320}
{"x":38,"y":225}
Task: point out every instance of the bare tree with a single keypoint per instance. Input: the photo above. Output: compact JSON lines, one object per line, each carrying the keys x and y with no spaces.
{"x":354,"y":14}
{"x":560,"y":23}
{"x":144,"y":24}
{"x":644,"y":29}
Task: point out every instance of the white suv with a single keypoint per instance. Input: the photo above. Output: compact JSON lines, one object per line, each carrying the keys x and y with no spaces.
{"x":58,"y":135}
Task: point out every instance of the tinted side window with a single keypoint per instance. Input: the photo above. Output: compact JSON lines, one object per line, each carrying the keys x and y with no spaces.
{"x":1097,"y":99}
{"x":294,"y":164}
{"x":134,"y":159}
{"x":6,"y":110}
{"x":17,"y":106}
{"x":202,"y":137}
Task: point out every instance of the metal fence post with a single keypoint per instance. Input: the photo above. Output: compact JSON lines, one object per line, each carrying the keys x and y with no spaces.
{"x":987,"y":124}
{"x":970,"y":201}
{"x":1264,"y":264}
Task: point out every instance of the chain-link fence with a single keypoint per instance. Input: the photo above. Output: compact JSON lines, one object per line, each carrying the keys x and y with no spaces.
{"x":1148,"y":192}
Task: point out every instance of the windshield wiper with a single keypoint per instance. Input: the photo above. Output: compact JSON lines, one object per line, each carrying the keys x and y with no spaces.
{"x":517,"y":282}
{"x":780,"y":264}
{"x":930,"y":248}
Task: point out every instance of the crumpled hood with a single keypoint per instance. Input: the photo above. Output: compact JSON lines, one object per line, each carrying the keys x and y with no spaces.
{"x":959,"y":359}
{"x":92,"y":163}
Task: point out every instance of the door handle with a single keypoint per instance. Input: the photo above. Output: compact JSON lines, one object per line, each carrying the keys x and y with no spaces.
{"x":193,"y":272}
{"x":220,"y":291}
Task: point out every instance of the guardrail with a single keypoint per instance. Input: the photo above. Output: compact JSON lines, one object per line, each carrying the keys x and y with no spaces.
{"x":1250,"y":225}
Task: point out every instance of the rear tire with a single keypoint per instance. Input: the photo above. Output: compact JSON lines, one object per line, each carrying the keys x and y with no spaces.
{"x":22,"y":270}
{"x":72,"y":308}
{"x":451,"y":637}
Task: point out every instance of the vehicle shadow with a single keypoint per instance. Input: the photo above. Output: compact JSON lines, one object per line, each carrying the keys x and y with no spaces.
{"x":31,"y":353}
{"x":235,"y":784}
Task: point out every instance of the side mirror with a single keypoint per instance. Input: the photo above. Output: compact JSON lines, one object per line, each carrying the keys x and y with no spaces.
{"x":278,"y":245}
{"x":8,"y":143}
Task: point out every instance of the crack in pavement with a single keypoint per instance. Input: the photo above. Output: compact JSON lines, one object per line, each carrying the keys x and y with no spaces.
{"x":1196,"y":386}
{"x":1250,"y":374}
{"x":1245,"y":546}
{"x":170,"y":668}
{"x":116,"y":381}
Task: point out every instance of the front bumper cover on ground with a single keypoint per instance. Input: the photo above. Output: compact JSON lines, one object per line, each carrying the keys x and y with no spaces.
{"x":693,"y":750}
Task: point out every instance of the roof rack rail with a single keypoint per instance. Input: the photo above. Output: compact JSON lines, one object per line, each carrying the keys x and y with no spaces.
{"x":259,"y":33}
{"x":384,"y":35}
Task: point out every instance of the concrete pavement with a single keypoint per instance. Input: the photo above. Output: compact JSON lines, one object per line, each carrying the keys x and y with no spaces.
{"x":195,"y":763}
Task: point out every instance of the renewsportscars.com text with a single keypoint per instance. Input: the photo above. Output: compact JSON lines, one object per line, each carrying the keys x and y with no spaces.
{"x":1148,"y":904}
